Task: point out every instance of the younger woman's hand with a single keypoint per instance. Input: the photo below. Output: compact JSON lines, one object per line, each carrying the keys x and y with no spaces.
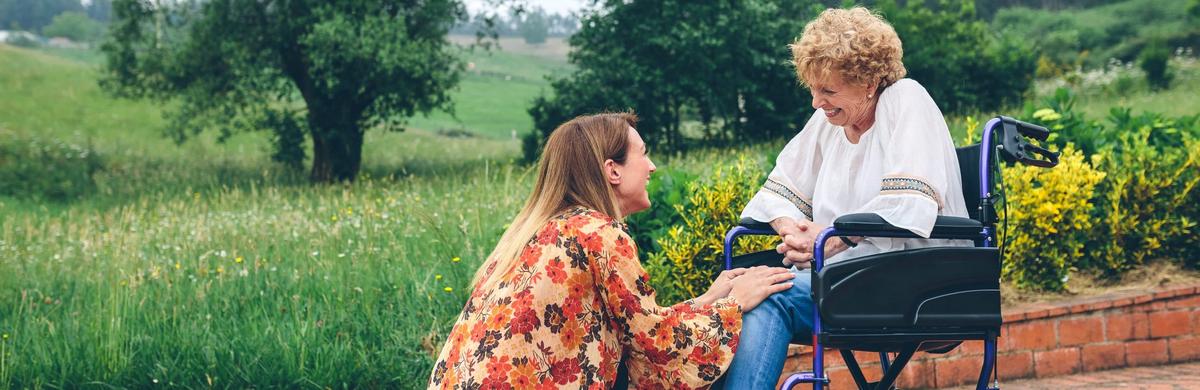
{"x":758,"y":283}
{"x":720,"y":286}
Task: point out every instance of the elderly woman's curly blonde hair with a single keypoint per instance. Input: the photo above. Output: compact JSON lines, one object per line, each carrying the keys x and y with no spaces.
{"x":857,"y":43}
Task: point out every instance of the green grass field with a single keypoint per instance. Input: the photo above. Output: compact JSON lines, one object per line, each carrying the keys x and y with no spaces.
{"x":205,"y":265}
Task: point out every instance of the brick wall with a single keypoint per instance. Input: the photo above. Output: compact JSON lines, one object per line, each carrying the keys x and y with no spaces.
{"x":1044,"y":340}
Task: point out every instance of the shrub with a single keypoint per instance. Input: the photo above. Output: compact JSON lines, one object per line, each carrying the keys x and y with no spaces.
{"x":1047,"y":220}
{"x":1154,"y":61}
{"x":689,"y":258}
{"x":52,"y":170}
{"x":668,"y":194}
{"x":1152,"y":182}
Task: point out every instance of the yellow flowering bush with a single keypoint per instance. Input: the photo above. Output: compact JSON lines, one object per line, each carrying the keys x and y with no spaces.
{"x":1047,"y":219}
{"x":1143,"y":211}
{"x":691,"y":251}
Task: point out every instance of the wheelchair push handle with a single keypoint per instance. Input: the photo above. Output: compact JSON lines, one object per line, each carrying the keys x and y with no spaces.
{"x":1014,"y":147}
{"x":1027,"y":129}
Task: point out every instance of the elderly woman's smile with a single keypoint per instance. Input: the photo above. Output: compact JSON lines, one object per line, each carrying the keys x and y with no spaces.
{"x":847,"y":105}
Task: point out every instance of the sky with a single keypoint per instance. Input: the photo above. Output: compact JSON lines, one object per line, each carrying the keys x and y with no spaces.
{"x":551,"y":6}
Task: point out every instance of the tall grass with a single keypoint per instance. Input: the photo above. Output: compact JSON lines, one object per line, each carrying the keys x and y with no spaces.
{"x":335,"y":286}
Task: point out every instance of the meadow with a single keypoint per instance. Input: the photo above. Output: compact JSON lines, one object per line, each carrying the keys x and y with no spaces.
{"x":205,"y":265}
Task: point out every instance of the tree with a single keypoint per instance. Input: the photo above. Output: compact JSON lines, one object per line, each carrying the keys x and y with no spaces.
{"x":33,"y":14}
{"x":533,"y":26}
{"x":317,"y":69}
{"x":75,"y":26}
{"x":959,"y":60}
{"x":723,"y":65}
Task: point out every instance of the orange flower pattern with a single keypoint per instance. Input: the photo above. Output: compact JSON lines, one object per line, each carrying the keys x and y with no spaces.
{"x":576,"y":302}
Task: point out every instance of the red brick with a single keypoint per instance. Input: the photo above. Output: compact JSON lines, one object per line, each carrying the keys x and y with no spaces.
{"x":916,"y":375}
{"x":1037,"y":335}
{"x":1184,"y":349}
{"x":1081,"y":330}
{"x":1192,"y":302}
{"x":1170,"y":323}
{"x":840,"y":379}
{"x":1168,"y":293}
{"x":1014,"y":317}
{"x":1140,"y":299}
{"x":1103,"y":356}
{"x":1122,"y":302}
{"x":958,"y":371}
{"x":1060,"y":361}
{"x":1015,"y":365}
{"x":1155,"y":306}
{"x":833,"y":358}
{"x":1145,"y":353}
{"x":969,"y":348}
{"x":1128,"y":326}
{"x":1057,"y":311}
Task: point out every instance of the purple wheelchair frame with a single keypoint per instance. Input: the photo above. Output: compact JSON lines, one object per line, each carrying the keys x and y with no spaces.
{"x":1013,"y":148}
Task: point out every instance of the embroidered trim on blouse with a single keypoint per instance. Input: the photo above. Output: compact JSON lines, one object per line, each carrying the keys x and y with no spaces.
{"x":911,"y":185}
{"x":800,"y":202}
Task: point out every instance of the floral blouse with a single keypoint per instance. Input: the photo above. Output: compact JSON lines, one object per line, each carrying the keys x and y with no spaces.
{"x":577,"y":302}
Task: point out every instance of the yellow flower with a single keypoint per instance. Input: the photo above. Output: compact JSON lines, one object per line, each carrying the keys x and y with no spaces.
{"x":448,"y":289}
{"x":333,"y":218}
{"x":177,"y":265}
{"x":437,"y":277}
{"x":238,"y":259}
{"x":220,"y":269}
{"x":455,"y":259}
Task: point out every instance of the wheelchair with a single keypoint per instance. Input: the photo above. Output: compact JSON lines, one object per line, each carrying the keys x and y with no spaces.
{"x":919,"y":300}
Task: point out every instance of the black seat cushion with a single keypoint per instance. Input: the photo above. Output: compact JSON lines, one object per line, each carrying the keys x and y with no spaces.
{"x":919,"y":288}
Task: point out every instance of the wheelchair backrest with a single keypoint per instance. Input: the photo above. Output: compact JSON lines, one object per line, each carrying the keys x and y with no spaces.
{"x":968,"y":169}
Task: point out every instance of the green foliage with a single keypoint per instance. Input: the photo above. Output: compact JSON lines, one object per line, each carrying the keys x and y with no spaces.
{"x":722,"y":65}
{"x":534,"y":27}
{"x":1145,"y":206}
{"x":691,"y":250}
{"x":33,"y":14}
{"x":1155,"y":60}
{"x":1089,"y":36}
{"x":1047,"y":220}
{"x":962,"y":64}
{"x":337,"y":68}
{"x":41,"y":170}
{"x":669,"y":192}
{"x":75,"y":26}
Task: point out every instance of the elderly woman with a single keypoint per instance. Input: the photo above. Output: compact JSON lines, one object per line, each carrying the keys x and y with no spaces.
{"x":876,"y":144}
{"x":563,"y":299}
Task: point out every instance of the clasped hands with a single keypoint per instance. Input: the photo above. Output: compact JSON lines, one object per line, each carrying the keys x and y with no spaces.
{"x":799,"y":240}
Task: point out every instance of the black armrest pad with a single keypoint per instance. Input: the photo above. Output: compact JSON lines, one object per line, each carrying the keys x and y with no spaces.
{"x":752,"y":224}
{"x":944,"y":226}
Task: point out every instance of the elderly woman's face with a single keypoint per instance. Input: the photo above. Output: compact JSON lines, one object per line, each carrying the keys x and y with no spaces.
{"x":844,"y":104}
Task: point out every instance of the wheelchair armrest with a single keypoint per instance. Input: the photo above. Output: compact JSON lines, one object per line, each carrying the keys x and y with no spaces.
{"x":944,"y":227}
{"x":750,"y":223}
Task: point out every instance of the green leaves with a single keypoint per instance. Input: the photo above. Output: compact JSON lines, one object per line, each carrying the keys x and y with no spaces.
{"x":327,"y":69}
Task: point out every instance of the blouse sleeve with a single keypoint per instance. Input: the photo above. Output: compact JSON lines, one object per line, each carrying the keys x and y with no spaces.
{"x":789,"y":187}
{"x":685,"y":344}
{"x":919,"y":159}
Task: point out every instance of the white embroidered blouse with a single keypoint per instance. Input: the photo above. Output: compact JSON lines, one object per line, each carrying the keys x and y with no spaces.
{"x":903,"y":168}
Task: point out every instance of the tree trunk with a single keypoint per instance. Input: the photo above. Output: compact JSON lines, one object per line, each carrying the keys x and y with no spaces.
{"x":337,"y":153}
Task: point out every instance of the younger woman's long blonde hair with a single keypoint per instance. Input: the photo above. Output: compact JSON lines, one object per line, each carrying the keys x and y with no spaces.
{"x":570,"y":173}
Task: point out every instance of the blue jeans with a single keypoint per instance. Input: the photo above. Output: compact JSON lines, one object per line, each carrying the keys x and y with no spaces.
{"x":782,"y":318}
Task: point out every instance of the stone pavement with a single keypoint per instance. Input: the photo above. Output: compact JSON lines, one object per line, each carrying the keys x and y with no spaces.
{"x":1172,"y":377}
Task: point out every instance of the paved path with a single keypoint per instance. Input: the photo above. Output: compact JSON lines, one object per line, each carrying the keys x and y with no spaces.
{"x":1173,"y":377}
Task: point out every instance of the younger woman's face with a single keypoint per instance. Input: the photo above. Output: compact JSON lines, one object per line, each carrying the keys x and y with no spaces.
{"x":633,"y":176}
